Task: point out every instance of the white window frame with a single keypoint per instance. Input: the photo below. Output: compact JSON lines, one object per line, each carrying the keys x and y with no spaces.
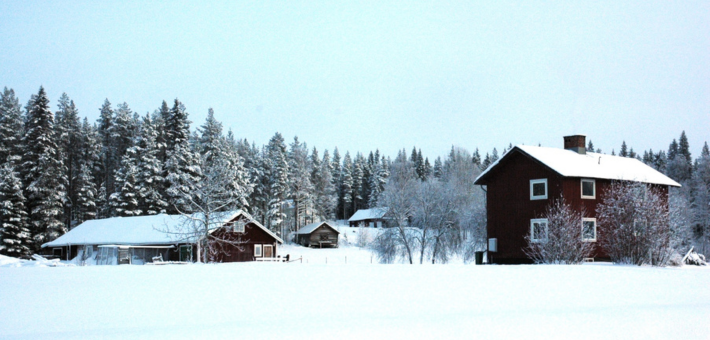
{"x":239,"y":226}
{"x":257,"y":251}
{"x":589,"y":219}
{"x":532,"y":229}
{"x":594,"y":188}
{"x":537,"y":181}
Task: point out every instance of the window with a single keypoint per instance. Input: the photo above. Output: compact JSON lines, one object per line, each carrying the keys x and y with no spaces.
{"x":538,"y":230}
{"x":538,"y":189}
{"x":186,"y":253}
{"x":589,"y":189}
{"x":589,"y":229}
{"x":257,"y":250}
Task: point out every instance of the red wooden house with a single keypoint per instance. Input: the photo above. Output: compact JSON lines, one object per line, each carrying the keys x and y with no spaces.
{"x":522,"y":183}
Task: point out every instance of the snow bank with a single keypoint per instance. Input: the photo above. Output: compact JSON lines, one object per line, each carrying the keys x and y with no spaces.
{"x":355,"y":301}
{"x":38,"y":261}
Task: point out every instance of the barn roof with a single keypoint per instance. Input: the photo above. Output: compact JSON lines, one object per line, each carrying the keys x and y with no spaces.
{"x":368,"y":214}
{"x":569,"y":163}
{"x":137,"y":230}
{"x":313,"y":226}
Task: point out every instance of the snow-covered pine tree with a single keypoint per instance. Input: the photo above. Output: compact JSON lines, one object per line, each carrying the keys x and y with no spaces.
{"x":149,"y":180}
{"x":160,"y":117}
{"x":679,"y":167}
{"x":357,"y":176}
{"x":122,"y":132}
{"x":124,"y":201}
{"x":624,"y":152}
{"x":211,"y":137}
{"x":107,"y":159}
{"x":11,"y":127}
{"x":184,"y":170}
{"x":278,"y":170}
{"x":85,"y":202}
{"x":42,"y":173}
{"x":301,"y":186}
{"x":347,"y":185}
{"x":438,"y":168}
{"x":177,"y":126}
{"x":68,"y":130}
{"x":590,"y":146}
{"x":337,"y":183}
{"x":476,"y":158}
{"x":14,"y":232}
{"x":325,"y":194}
{"x":700,"y":202}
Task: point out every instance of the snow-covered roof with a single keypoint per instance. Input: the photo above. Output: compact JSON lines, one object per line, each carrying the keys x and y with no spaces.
{"x":313,"y":226}
{"x":591,"y":165}
{"x":137,"y":230}
{"x":368,"y":214}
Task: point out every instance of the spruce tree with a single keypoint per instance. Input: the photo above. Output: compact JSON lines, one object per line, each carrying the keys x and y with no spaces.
{"x":42,"y":173}
{"x":278,"y":181}
{"x":590,"y":146}
{"x":438,"y":168}
{"x":150,"y":180}
{"x":337,"y":183}
{"x":346,"y":185}
{"x":107,"y":159}
{"x":14,"y":231}
{"x":11,"y":127}
{"x":624,"y":150}
{"x":68,"y":130}
{"x":125,"y":200}
{"x":86,"y":194}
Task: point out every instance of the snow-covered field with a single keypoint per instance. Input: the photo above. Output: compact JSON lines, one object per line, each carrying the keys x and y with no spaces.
{"x":354,"y":301}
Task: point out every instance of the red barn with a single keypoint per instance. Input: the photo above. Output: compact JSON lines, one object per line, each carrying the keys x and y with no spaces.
{"x":522,"y":183}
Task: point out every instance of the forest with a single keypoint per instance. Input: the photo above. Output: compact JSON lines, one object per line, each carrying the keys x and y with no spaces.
{"x":58,"y":170}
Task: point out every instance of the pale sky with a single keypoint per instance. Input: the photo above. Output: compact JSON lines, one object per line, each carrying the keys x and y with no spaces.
{"x":387,"y":75}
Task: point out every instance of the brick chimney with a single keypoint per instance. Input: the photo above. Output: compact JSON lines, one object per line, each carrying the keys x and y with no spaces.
{"x":576,"y":143}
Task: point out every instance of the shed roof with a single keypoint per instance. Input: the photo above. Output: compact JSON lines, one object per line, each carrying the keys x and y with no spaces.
{"x":138,"y":230}
{"x":313,"y":226}
{"x":368,"y":214}
{"x":569,"y":163}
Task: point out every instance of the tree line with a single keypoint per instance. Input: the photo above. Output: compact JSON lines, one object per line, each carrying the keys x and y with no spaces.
{"x":58,"y":170}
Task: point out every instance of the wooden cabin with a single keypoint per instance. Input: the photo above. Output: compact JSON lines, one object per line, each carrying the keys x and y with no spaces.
{"x":371,"y":218}
{"x":319,"y":234}
{"x":235,"y":237}
{"x":527,"y":179}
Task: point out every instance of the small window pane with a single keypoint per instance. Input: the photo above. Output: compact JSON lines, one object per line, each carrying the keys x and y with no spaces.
{"x":539,"y":189}
{"x":589,"y":231}
{"x":588,"y":188}
{"x":539,"y":230}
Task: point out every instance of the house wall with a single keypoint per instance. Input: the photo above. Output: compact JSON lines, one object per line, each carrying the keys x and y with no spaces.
{"x":509,"y":208}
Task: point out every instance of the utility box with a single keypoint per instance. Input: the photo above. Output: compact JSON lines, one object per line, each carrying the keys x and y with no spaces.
{"x":492,"y":244}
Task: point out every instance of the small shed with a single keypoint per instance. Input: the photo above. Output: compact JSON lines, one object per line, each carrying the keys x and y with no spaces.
{"x":372,"y":218}
{"x":319,"y":234}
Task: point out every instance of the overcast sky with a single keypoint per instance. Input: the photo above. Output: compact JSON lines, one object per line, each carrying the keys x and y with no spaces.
{"x":381,"y":75}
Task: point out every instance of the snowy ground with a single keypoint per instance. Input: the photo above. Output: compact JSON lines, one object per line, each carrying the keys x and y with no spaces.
{"x":353,"y":301}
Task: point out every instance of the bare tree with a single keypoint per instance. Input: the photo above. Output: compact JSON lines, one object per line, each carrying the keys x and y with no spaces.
{"x":398,"y":239}
{"x":560,"y":237}
{"x":638,"y":226}
{"x":222,"y":189}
